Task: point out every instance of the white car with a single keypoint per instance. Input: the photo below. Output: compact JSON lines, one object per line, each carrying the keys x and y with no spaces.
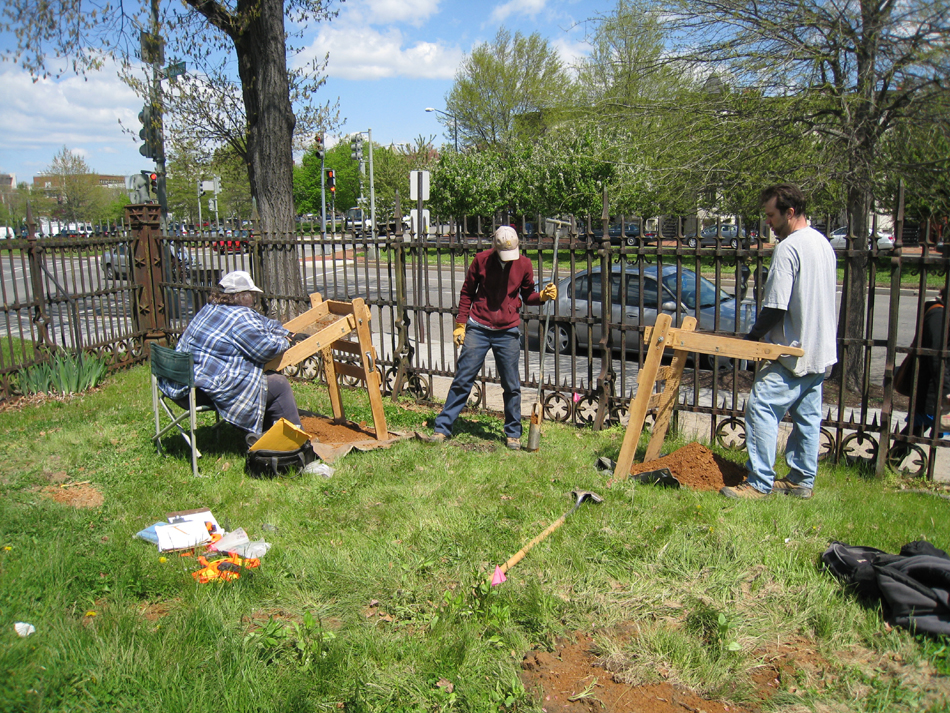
{"x":838,"y":239}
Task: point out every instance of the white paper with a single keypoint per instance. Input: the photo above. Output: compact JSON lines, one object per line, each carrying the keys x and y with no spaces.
{"x":202,"y":515}
{"x":23,"y":629}
{"x":182,"y":535}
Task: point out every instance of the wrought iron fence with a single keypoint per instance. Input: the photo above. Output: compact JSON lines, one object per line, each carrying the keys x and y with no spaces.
{"x":113,"y":292}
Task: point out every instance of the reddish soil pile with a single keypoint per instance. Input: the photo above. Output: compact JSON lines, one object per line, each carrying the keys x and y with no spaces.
{"x":572,"y":680}
{"x":325,"y":431}
{"x":80,"y":495}
{"x":696,"y":467}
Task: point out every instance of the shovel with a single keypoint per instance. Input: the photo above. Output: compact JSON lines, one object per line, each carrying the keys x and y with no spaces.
{"x":580,"y":496}
{"x":537,"y":415}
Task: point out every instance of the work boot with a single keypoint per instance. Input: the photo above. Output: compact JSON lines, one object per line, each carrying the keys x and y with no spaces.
{"x":435,"y":438}
{"x":742,"y":491}
{"x":785,"y":486}
{"x":514,"y":444}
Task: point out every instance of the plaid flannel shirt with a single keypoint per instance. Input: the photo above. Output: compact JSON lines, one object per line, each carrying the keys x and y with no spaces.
{"x":229,"y":346}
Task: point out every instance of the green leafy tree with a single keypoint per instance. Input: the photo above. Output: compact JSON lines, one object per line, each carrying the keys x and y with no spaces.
{"x":510,"y":88}
{"x":816,"y":100}
{"x":186,"y":165}
{"x":76,"y":195}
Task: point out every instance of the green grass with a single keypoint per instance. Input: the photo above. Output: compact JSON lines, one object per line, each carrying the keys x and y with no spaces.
{"x":373,"y":590}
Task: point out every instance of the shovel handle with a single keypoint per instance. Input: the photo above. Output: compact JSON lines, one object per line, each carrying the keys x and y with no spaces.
{"x":519,"y":555}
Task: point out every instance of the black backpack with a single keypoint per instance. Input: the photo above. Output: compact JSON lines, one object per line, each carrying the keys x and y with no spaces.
{"x":268,"y":464}
{"x":913,"y":587}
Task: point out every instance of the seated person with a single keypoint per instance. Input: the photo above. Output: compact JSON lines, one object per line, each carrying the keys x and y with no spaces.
{"x":230,"y":343}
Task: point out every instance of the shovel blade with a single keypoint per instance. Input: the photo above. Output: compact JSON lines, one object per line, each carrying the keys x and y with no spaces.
{"x":661,"y":476}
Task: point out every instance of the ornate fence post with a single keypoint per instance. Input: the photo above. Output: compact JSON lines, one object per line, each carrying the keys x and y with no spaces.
{"x":149,"y":313}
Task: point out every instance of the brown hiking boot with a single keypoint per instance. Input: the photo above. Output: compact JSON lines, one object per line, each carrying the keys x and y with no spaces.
{"x":785,"y":486}
{"x":434,"y":438}
{"x":742,"y":491}
{"x":514,"y":444}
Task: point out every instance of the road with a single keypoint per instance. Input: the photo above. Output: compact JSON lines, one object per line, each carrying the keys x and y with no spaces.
{"x":101,"y":317}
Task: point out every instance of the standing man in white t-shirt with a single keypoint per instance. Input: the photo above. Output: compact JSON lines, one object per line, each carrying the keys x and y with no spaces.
{"x":798,"y":309}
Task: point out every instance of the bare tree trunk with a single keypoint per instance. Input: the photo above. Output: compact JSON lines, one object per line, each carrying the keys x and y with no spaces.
{"x":852,"y":313}
{"x":257,"y":30}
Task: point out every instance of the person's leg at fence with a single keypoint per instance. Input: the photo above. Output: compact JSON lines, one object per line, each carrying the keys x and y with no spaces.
{"x":804,"y":442}
{"x":506,"y":346}
{"x":471,"y":359}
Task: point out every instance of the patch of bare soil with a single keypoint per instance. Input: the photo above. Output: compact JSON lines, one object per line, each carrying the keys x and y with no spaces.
{"x":696,"y":467}
{"x":326,"y":431}
{"x":80,"y":495}
{"x":573,"y":679}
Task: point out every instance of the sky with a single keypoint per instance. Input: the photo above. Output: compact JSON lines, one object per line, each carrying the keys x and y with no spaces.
{"x":389,"y":61}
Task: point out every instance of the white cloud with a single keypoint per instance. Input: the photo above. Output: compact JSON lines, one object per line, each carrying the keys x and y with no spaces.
{"x":517,"y":7}
{"x":365,"y":53}
{"x":569,"y":51}
{"x":41,"y":117}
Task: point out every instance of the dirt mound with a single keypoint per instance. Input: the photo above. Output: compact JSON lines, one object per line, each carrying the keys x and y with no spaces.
{"x":696,"y":467}
{"x":325,"y":431}
{"x":573,"y":680}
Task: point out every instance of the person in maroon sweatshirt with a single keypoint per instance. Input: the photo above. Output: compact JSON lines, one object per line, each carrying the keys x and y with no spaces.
{"x":497,"y":282}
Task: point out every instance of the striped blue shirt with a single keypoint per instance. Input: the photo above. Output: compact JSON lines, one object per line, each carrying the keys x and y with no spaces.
{"x":229,"y":346}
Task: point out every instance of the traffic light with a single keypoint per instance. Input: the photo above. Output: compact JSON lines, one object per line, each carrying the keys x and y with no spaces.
{"x":201,"y":188}
{"x":146,"y":133}
{"x":151,"y":132}
{"x":321,"y":151}
{"x":356,"y":148}
{"x":151,"y":181}
{"x":137,"y":186}
{"x":331,"y":180}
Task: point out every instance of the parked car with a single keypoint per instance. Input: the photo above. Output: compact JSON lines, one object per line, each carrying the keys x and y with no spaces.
{"x":620,"y":234}
{"x":581,"y":296}
{"x":709,"y":236}
{"x":236,"y":241}
{"x":839,"y":239}
{"x":115,"y":263}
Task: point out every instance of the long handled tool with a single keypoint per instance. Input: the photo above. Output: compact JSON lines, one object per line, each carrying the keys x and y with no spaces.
{"x":537,"y":415}
{"x":580,"y":496}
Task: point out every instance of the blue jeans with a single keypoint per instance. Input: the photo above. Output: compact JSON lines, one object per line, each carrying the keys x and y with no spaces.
{"x":506,"y":346}
{"x":775,"y":392}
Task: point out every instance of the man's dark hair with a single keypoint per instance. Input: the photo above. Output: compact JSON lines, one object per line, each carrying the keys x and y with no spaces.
{"x":786,"y":196}
{"x":232,"y":299}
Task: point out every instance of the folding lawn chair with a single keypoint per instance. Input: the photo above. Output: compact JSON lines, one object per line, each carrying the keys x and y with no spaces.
{"x":177,"y":367}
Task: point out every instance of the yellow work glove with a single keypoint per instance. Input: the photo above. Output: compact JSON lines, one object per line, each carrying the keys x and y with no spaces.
{"x":549,"y":292}
{"x":458,"y":335}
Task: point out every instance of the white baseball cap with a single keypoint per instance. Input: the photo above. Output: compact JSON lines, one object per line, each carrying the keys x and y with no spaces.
{"x":238,"y":281}
{"x":505,"y":243}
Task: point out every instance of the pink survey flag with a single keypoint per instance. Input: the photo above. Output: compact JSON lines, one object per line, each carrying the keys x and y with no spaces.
{"x":499,"y":577}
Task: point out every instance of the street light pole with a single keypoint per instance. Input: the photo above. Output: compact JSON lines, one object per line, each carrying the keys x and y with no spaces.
{"x":455,"y":124}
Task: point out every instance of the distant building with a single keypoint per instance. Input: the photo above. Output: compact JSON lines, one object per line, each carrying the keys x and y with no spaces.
{"x":7,"y":181}
{"x":51,"y":182}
